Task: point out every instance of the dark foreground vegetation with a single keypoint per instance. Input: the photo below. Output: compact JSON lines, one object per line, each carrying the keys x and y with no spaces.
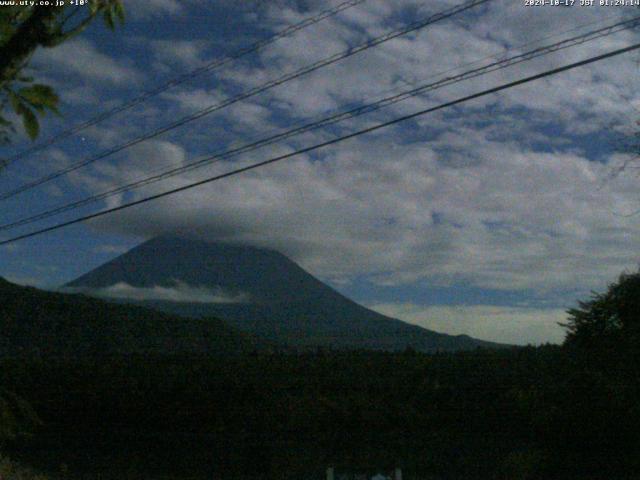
{"x":570,"y":412}
{"x":525,"y":413}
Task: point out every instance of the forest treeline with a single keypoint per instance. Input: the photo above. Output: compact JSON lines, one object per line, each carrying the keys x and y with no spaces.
{"x":524,"y":413}
{"x":565,"y":412}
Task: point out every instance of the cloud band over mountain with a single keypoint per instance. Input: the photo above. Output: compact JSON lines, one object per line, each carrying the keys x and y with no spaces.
{"x":180,"y":292}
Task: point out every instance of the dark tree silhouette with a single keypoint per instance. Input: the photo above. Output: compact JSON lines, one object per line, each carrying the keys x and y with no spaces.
{"x":610,"y":319}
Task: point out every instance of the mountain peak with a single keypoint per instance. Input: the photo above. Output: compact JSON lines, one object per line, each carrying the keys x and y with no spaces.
{"x":280,"y":300}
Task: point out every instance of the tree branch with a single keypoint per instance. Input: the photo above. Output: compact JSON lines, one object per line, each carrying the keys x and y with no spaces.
{"x":31,"y":33}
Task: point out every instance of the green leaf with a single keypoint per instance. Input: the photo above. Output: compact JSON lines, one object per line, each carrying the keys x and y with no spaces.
{"x":94,"y":6}
{"x":118,"y":8}
{"x":108,"y":19}
{"x":30,"y":123}
{"x":40,"y":96}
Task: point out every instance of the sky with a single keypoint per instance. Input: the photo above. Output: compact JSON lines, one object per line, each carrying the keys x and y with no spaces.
{"x":490,"y":218}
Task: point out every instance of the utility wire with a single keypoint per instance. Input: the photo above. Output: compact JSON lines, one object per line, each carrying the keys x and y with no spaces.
{"x":250,"y":93}
{"x":209,"y":67}
{"x":334,"y":141}
{"x":335,"y":118}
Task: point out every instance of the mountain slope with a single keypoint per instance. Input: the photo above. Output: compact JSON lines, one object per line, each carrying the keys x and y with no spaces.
{"x":35,"y":321}
{"x":271,"y":296}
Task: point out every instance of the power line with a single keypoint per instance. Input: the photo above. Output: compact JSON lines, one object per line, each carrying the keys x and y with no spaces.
{"x":209,"y":67}
{"x":250,"y":93}
{"x":336,"y":118}
{"x":318,"y":146}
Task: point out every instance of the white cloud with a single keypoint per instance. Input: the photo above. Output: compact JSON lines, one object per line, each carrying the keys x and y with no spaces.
{"x":110,"y":249}
{"x":509,"y":219}
{"x":512,"y":325}
{"x":153,"y":8}
{"x":450,"y":44}
{"x":179,"y":292}
{"x":459,"y":196}
{"x":145,"y":159}
{"x":79,"y":58}
{"x":194,"y":100}
{"x":82,"y":95}
{"x":185,"y":54}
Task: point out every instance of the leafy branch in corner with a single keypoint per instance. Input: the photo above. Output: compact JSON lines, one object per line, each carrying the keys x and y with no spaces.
{"x":24,"y":29}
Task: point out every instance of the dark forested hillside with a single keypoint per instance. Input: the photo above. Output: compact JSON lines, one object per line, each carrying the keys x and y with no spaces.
{"x":553,"y":412}
{"x":33,"y":321}
{"x":528,"y":413}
